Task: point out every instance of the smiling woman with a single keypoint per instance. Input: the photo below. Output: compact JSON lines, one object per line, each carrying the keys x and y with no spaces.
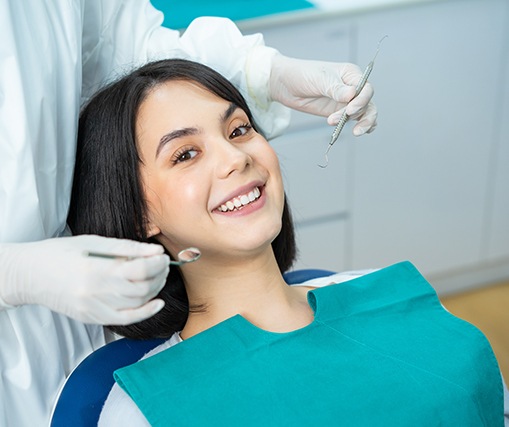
{"x":170,"y":153}
{"x":159,"y":153}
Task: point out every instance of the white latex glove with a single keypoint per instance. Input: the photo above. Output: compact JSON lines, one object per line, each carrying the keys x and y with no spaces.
{"x":324,"y":89}
{"x":55,"y":273}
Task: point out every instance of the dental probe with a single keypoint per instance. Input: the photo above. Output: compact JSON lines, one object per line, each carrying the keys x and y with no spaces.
{"x":344,"y":117}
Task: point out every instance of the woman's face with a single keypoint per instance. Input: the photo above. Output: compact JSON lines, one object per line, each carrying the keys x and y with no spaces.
{"x":210,"y":180}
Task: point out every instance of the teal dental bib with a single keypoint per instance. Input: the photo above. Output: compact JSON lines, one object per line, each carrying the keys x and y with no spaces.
{"x":381,"y":351}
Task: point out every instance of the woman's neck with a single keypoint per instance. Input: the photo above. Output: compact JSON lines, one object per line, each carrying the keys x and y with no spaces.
{"x":255,"y":289}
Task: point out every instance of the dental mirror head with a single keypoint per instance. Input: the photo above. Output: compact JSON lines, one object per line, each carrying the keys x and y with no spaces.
{"x":186,"y":255}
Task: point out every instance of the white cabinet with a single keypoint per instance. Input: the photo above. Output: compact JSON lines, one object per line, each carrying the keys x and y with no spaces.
{"x":421,"y":180}
{"x":431,"y":184}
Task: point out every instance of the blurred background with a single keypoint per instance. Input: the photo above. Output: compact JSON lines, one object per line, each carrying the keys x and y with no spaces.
{"x":431,"y":184}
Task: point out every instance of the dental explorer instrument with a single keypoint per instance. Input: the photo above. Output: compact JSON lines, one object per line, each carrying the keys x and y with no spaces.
{"x":184,"y":256}
{"x":344,"y":117}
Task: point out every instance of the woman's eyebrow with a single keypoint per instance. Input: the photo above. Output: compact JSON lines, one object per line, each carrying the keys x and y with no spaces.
{"x":229,"y":111}
{"x":179,"y":133}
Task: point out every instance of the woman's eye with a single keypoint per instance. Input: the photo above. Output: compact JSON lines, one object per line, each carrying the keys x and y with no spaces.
{"x":184,"y":155}
{"x":241,"y":130}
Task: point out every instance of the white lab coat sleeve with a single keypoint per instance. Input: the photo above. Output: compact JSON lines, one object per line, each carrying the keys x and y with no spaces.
{"x":120,"y":35}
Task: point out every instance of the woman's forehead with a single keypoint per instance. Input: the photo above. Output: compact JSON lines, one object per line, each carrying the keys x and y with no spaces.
{"x":178,"y":100}
{"x":180,"y":91}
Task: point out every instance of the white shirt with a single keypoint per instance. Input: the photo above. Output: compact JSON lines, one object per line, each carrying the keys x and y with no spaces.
{"x":53,"y":55}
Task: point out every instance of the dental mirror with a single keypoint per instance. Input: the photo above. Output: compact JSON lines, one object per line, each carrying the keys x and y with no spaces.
{"x":186,"y":255}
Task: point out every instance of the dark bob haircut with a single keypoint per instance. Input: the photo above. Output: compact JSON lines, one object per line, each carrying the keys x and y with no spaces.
{"x":107,"y":197}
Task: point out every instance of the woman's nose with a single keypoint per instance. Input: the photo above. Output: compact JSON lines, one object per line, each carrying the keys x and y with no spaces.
{"x":231,"y":158}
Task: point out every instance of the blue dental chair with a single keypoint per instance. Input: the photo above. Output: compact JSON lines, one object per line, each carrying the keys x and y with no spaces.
{"x":85,"y":391}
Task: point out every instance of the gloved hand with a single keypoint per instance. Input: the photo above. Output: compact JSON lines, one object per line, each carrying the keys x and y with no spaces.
{"x":55,"y":273}
{"x":324,"y":89}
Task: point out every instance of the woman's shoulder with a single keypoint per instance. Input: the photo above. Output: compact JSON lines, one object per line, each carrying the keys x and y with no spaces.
{"x":119,"y":409}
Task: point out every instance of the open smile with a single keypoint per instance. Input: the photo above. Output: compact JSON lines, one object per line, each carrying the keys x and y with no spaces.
{"x":239,"y":202}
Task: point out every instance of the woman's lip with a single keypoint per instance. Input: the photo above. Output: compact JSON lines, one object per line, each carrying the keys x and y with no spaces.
{"x":245,"y":189}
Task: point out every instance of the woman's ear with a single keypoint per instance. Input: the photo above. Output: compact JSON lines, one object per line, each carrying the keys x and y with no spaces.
{"x":152,"y":229}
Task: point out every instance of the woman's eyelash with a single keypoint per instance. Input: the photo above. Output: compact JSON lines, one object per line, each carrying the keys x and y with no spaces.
{"x":184,"y":154}
{"x":246,"y":126}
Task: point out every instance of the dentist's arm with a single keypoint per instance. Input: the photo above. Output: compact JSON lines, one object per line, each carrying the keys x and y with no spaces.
{"x":57,"y":274}
{"x":121,"y":34}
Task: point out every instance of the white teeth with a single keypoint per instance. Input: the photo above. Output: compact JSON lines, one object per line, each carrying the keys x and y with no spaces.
{"x":240,"y":201}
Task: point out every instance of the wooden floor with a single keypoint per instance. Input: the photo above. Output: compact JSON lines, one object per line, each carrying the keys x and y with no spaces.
{"x":488,"y":309}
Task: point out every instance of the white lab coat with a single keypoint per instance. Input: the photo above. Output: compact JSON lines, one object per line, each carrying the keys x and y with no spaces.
{"x":53,"y":55}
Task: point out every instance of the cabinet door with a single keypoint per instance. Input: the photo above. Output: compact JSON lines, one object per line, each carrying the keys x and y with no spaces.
{"x":420,"y":179}
{"x":322,"y":245}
